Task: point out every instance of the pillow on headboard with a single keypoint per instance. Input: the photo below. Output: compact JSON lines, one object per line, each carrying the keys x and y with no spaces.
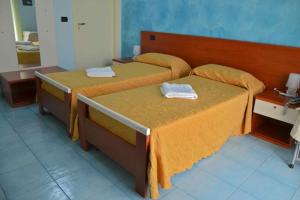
{"x":178,"y":66}
{"x":231,"y":76}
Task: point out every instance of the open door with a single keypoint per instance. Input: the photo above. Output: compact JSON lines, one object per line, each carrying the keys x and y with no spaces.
{"x":93,"y":32}
{"x":8,"y":56}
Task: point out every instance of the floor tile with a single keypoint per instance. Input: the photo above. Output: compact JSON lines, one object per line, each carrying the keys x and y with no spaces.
{"x":2,"y":194}
{"x":15,"y":157}
{"x":24,"y":179}
{"x":246,"y":155}
{"x":241,"y":195}
{"x":203,"y":186}
{"x":266,"y":188}
{"x":177,"y":195}
{"x":45,"y":192}
{"x":84,"y":183}
{"x":22,"y":118}
{"x":51,"y":144}
{"x":111,"y":193}
{"x":264,"y":147}
{"x":285,"y":155}
{"x":53,"y":123}
{"x":297,"y":195}
{"x":11,"y":140}
{"x":227,"y":170}
{"x":279,"y":170}
{"x":243,"y":140}
{"x":61,"y":163}
{"x":41,"y":134}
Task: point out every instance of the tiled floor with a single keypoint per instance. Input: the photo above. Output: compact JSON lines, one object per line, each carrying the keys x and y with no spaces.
{"x":39,"y":162}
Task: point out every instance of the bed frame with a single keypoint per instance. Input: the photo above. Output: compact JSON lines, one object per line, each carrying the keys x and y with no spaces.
{"x":61,"y":109}
{"x":269,"y":63}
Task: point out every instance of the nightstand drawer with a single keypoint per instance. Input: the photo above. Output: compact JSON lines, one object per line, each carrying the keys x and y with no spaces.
{"x":275,"y":111}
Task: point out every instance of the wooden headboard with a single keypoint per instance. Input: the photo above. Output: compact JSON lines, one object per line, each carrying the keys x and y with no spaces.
{"x":269,"y":63}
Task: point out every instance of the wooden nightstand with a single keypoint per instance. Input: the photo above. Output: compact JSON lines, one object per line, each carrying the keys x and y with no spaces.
{"x":270,"y":122}
{"x":19,"y":87}
{"x":119,"y":61}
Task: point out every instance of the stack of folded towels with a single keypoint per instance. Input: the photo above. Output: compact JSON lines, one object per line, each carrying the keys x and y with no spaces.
{"x":183,"y":91}
{"x":100,"y":72}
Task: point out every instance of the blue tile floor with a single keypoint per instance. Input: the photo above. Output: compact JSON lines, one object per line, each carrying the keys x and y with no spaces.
{"x":39,"y":162}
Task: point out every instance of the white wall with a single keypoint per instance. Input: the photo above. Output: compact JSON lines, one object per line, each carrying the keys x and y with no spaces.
{"x":57,"y":38}
{"x":8,"y":55}
{"x":64,"y":34}
{"x":47,"y":32}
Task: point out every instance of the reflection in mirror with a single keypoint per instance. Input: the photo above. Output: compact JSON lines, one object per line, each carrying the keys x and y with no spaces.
{"x":25,"y":28}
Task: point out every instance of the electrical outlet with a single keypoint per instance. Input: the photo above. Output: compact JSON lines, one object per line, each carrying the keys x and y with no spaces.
{"x":152,"y":37}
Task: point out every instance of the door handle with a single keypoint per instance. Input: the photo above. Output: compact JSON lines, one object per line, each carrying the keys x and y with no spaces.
{"x":80,"y":24}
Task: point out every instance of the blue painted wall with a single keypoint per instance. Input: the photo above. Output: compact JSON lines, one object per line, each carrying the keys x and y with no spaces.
{"x":28,"y":17}
{"x":266,"y":21}
{"x":64,"y":34}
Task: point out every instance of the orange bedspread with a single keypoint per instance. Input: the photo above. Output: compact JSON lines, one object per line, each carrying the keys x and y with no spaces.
{"x":183,"y":131}
{"x":128,"y":76}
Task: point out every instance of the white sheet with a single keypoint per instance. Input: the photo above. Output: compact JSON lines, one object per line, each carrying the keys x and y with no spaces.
{"x":183,"y":91}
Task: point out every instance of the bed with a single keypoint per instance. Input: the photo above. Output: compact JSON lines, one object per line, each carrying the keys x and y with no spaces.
{"x":154,"y":138}
{"x":57,"y":91}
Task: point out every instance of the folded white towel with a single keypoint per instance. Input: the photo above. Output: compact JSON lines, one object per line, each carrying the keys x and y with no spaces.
{"x":100,"y":72}
{"x":183,"y":91}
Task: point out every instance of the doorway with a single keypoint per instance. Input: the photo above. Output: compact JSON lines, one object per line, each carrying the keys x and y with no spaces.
{"x":25,"y":33}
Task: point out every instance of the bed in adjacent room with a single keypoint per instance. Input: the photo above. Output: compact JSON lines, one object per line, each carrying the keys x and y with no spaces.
{"x":154,"y":137}
{"x":57,"y":91}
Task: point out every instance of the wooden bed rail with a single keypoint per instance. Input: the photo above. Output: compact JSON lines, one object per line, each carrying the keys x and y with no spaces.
{"x":53,"y":82}
{"x":133,"y":158}
{"x":121,"y":118}
{"x":61,"y":109}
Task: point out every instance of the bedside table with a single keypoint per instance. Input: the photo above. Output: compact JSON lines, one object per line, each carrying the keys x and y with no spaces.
{"x":119,"y":61}
{"x":19,"y":87}
{"x":270,"y":121}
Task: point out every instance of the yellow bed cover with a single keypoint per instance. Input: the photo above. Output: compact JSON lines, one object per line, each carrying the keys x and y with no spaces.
{"x":182,"y":131}
{"x":128,"y":76}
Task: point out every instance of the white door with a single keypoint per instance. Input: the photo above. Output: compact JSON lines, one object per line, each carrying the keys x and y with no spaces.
{"x":46,"y":29}
{"x":8,"y":55}
{"x":93,"y":32}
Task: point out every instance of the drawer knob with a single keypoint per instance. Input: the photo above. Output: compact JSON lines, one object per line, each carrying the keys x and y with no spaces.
{"x":274,"y":107}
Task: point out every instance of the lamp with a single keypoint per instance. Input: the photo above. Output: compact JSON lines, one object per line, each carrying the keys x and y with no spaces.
{"x":136,"y":50}
{"x":293,"y":84}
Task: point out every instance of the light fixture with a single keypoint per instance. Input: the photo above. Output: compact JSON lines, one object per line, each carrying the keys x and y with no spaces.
{"x":293,"y":84}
